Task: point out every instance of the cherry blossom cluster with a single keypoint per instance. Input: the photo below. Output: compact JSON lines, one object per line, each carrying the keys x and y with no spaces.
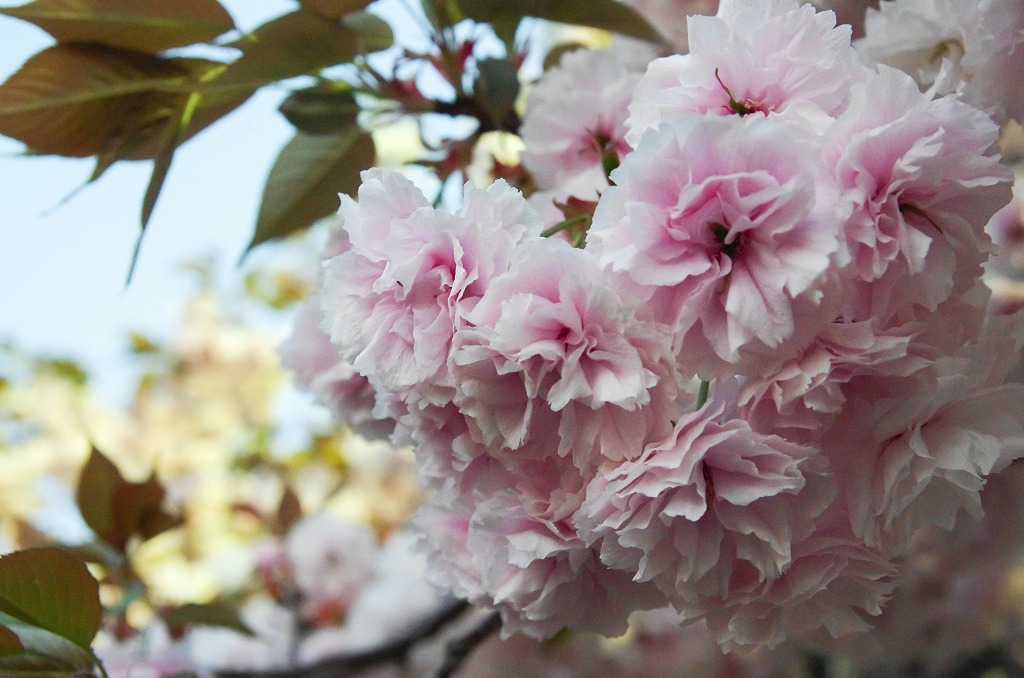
{"x":767,"y":368}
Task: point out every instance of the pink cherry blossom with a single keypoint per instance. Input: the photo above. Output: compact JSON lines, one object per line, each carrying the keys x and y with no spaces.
{"x":574,"y":118}
{"x":334,"y":383}
{"x":394,"y":301}
{"x":553,"y":345}
{"x":776,"y":58}
{"x":713,"y":504}
{"x":920,"y":174}
{"x":732,"y":229}
{"x":975,"y":49}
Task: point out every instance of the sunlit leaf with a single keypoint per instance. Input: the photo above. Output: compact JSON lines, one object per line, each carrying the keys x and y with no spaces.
{"x":144,"y":25}
{"x":307,"y":177}
{"x":320,"y":110}
{"x":299,"y":43}
{"x":73,"y":100}
{"x":607,"y":15}
{"x":216,"y":613}
{"x":373,"y":34}
{"x":49,"y":588}
{"x":334,"y":9}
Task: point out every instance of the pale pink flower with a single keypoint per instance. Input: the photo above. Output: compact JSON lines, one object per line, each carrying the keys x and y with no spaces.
{"x":393,"y":302}
{"x":543,"y":577}
{"x":553,"y":345}
{"x":334,"y":383}
{"x":773,"y":58}
{"x":331,"y":560}
{"x":574,"y":119}
{"x":921,"y":175}
{"x":832,"y":586}
{"x":973,"y":48}
{"x":801,"y":398}
{"x":732,"y":227}
{"x":907,"y":460}
{"x":713,"y":504}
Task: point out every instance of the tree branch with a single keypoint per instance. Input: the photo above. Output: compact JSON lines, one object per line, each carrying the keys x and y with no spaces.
{"x":391,"y":652}
{"x":457,"y":650}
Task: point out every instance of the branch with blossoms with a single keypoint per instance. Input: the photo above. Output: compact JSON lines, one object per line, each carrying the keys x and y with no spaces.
{"x":741,"y":383}
{"x":721,"y":352}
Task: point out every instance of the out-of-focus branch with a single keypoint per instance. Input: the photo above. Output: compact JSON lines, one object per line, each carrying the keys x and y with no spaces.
{"x":456,"y":651}
{"x":391,"y":652}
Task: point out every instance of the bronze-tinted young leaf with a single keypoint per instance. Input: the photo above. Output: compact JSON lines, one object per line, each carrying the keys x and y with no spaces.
{"x":373,"y":34}
{"x":97,"y":486}
{"x":9,"y":643}
{"x":299,"y":43}
{"x":320,"y":110}
{"x":334,"y":9}
{"x":73,"y":100}
{"x":216,"y":613}
{"x":49,"y":588}
{"x":117,"y":509}
{"x":289,"y":512}
{"x":607,"y":15}
{"x":144,"y":25}
{"x":306,"y":179}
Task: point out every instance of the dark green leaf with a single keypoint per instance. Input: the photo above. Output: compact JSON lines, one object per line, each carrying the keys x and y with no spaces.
{"x":334,"y":9}
{"x":49,"y":588}
{"x":607,"y":15}
{"x":75,"y":100}
{"x":306,"y":178}
{"x":216,"y":613}
{"x":320,"y":110}
{"x":9,"y":643}
{"x":373,"y":34}
{"x":556,"y":53}
{"x":144,"y":25}
{"x":299,"y":43}
{"x":497,"y":85}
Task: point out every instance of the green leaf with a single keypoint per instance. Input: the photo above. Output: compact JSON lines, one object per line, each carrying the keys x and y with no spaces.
{"x":49,"y":588}
{"x":320,"y":110}
{"x":306,"y":178}
{"x":76,"y":100}
{"x":607,"y":15}
{"x":334,"y":9}
{"x":373,"y":34}
{"x":299,"y":43}
{"x":144,"y":25}
{"x":216,"y":613}
{"x":9,"y":642}
{"x":116,"y":509}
